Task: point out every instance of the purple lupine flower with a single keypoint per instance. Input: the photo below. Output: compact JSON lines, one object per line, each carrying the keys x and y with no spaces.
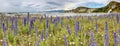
{"x":4,"y":42}
{"x":15,"y":27}
{"x":76,"y":28}
{"x":42,"y":35}
{"x":34,"y":18}
{"x":3,"y":27}
{"x":91,"y":38}
{"x":47,"y":32}
{"x":12,"y":20}
{"x":47,"y":23}
{"x":58,"y":19}
{"x":25,"y":21}
{"x":92,"y":43}
{"x":31,"y":26}
{"x":115,"y":39}
{"x":47,"y":27}
{"x":106,"y":40}
{"x":108,"y":16}
{"x":117,"y":18}
{"x":55,"y":22}
{"x":65,"y":40}
{"x":68,"y":29}
{"x":106,"y":26}
{"x":106,"y":34}
{"x":12,"y":26}
{"x":119,"y":35}
{"x":37,"y":42}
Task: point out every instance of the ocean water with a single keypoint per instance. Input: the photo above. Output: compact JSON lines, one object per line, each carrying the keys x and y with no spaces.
{"x":61,"y":14}
{"x":76,"y":14}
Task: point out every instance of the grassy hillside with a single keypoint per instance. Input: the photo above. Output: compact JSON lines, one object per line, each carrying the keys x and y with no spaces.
{"x":109,"y":6}
{"x":103,"y":9}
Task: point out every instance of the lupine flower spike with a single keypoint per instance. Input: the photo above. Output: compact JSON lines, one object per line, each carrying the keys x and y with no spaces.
{"x":65,"y":40}
{"x":115,"y":39}
{"x":76,"y":28}
{"x":106,"y":35}
{"x":68,"y":28}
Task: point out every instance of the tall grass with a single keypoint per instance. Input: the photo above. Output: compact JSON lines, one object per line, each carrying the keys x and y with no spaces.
{"x":60,"y":31}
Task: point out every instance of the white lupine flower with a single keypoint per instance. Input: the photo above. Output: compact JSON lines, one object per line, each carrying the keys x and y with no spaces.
{"x":81,"y":42}
{"x":72,"y":43}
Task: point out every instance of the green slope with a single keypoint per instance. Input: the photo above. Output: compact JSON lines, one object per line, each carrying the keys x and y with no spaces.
{"x":95,"y":10}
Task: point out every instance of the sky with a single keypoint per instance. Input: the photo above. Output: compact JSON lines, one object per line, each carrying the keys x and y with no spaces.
{"x":47,"y":5}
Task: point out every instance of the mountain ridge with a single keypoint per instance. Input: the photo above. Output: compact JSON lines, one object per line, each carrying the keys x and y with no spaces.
{"x":106,"y":9}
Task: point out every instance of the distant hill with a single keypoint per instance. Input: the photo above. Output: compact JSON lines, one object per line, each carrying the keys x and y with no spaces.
{"x":113,"y":6}
{"x":81,"y":10}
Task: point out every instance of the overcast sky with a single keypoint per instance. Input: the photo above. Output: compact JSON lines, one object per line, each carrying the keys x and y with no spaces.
{"x":46,"y":5}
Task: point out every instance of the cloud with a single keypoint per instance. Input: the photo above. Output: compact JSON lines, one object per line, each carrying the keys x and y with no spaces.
{"x":46,"y":5}
{"x":93,"y":5}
